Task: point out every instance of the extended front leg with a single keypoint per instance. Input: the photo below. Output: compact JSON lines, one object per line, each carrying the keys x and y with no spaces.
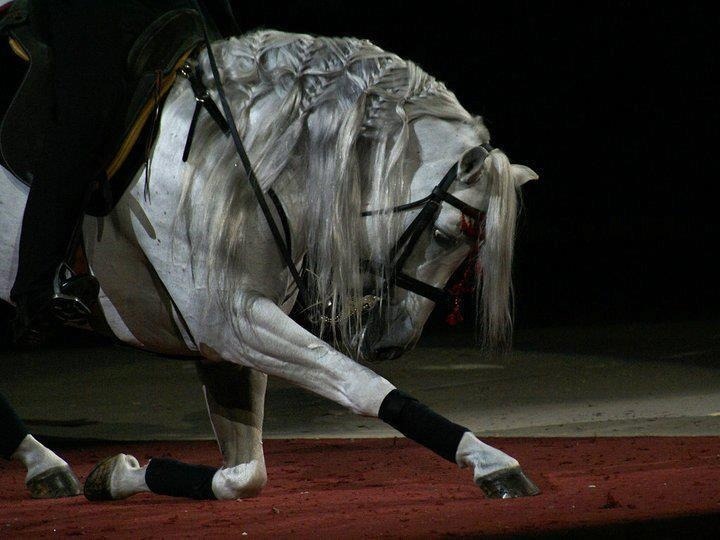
{"x":276,"y":345}
{"x":496,"y":473}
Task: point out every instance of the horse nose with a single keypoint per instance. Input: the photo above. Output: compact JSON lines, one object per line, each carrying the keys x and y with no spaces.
{"x":387,"y":353}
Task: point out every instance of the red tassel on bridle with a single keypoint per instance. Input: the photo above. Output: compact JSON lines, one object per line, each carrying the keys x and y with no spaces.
{"x":466,"y":283}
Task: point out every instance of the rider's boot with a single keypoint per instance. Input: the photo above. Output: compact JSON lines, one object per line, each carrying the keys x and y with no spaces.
{"x":74,"y":295}
{"x":71,"y":301}
{"x":34,"y":322}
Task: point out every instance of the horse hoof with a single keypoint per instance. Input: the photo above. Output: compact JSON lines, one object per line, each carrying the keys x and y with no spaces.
{"x":97,"y":485}
{"x":508,"y":485}
{"x":54,"y":483}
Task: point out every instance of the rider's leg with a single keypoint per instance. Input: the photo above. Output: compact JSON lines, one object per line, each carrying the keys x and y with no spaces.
{"x":53,"y":210}
{"x":85,"y":91}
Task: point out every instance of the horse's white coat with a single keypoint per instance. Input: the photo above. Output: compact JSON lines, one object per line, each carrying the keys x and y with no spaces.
{"x":275,"y":344}
{"x":13,"y":195}
{"x":142,"y":257}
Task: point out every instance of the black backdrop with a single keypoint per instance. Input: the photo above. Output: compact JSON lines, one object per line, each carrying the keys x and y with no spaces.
{"x":613,"y":104}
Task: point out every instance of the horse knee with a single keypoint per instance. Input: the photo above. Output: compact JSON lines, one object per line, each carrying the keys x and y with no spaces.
{"x":240,"y":482}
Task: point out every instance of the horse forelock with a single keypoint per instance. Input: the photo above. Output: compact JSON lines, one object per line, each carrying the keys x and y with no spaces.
{"x":350,"y":104}
{"x":494,"y":280}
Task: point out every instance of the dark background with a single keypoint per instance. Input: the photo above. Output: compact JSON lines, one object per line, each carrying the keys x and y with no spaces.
{"x":615,"y":105}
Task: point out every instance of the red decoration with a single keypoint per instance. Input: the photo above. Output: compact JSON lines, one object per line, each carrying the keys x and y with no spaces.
{"x":466,"y":283}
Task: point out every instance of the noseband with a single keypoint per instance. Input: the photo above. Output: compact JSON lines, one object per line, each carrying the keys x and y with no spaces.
{"x":403,"y":248}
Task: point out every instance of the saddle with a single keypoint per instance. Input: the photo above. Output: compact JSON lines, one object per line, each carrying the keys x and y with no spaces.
{"x":153,"y":58}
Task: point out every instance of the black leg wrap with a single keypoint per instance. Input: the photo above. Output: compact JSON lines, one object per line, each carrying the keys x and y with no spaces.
{"x":421,"y":424}
{"x":12,"y":429}
{"x":170,"y":477}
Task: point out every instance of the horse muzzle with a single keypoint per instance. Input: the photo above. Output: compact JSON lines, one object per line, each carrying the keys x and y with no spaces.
{"x":387,"y":334}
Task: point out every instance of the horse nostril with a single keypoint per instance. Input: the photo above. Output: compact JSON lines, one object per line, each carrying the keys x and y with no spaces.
{"x":387,"y":353}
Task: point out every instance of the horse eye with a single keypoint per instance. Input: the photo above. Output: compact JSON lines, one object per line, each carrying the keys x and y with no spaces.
{"x":443,"y":239}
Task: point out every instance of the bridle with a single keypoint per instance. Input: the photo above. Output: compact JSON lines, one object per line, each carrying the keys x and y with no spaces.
{"x":430,"y":205}
{"x":405,"y":245}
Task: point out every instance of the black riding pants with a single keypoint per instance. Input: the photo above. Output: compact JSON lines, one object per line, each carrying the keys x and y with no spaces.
{"x":68,"y":132}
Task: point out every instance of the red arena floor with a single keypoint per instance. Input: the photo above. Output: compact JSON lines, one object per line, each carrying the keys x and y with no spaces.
{"x":622,"y":487}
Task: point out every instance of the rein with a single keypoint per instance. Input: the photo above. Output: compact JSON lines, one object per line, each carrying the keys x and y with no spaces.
{"x":303,"y":295}
{"x":429,"y":207}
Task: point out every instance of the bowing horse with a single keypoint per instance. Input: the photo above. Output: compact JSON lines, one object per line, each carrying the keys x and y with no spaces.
{"x":364,"y":188}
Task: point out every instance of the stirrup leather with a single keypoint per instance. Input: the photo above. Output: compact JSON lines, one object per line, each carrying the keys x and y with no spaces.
{"x":74,"y":295}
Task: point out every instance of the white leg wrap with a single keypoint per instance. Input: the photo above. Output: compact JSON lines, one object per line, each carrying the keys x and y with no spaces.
{"x":240,"y":482}
{"x":128,"y":478}
{"x":36,"y":457}
{"x":483,"y":459}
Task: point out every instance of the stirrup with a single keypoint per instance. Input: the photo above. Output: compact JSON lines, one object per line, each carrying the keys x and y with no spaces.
{"x":74,"y":295}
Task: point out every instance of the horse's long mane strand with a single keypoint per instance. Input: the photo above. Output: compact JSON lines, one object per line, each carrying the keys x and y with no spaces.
{"x":494,"y":287}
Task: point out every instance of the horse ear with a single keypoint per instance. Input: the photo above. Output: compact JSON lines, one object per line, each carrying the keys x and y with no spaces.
{"x":470,"y":164}
{"x":522,"y":174}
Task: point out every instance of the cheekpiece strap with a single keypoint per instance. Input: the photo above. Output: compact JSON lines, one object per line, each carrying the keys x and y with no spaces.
{"x":203,"y":100}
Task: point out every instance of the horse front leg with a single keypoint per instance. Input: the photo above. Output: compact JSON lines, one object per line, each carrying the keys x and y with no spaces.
{"x":235,"y":397}
{"x":276,"y":345}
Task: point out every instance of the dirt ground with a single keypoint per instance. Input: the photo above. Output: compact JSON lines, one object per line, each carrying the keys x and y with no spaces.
{"x":340,"y":488}
{"x":619,"y":426}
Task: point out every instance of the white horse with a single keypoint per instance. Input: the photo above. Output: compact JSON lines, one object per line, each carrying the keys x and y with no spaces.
{"x":188,"y":266}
